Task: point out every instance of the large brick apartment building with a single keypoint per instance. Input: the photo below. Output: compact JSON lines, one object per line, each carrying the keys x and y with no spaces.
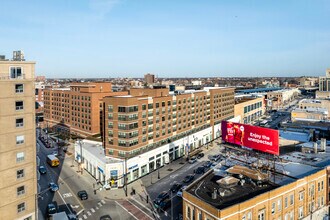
{"x":148,"y":118}
{"x":76,"y":109}
{"x":150,"y":127}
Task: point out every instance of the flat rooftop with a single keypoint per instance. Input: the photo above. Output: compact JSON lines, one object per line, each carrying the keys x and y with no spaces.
{"x":227,"y":195}
{"x":243,"y":175}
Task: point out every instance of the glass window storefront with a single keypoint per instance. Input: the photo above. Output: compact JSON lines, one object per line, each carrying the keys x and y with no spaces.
{"x":135,"y":173}
{"x":144,"y":170}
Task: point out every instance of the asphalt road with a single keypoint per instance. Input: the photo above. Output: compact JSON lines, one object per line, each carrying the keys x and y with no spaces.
{"x":166,"y":183}
{"x":70,"y":182}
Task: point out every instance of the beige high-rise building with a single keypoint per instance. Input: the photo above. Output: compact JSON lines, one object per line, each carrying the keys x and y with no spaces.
{"x":18,"y":184}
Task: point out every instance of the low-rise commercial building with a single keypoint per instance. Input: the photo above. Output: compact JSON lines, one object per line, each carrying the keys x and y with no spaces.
{"x":237,"y":189}
{"x":281,"y":97}
{"x":309,"y":114}
{"x":324,"y":82}
{"x":249,"y":108}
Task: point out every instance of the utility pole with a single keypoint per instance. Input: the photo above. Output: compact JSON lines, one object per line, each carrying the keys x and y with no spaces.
{"x":81,"y":156}
{"x":125,"y":176}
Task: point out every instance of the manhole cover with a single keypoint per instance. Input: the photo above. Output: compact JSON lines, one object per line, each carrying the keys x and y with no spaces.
{"x":170,"y":169}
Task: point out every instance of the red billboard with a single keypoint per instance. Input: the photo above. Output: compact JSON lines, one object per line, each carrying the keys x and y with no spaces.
{"x":258,"y":138}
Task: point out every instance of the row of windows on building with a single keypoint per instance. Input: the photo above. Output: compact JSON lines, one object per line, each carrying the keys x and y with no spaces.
{"x":252,"y":107}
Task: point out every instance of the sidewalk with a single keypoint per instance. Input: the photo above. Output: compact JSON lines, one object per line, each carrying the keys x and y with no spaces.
{"x":137,"y":185}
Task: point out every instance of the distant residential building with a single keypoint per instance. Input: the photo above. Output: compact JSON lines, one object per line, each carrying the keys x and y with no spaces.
{"x":149,"y":78}
{"x":324,"y":82}
{"x":18,"y":166}
{"x":308,"y":81}
{"x":309,"y":114}
{"x":281,"y":97}
{"x":249,"y":108}
{"x":322,"y":95}
{"x":40,"y":78}
{"x":76,"y":109}
{"x":196,"y":82}
{"x":39,"y":94}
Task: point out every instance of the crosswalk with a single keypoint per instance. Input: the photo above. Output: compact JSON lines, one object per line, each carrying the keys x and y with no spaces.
{"x":90,"y":212}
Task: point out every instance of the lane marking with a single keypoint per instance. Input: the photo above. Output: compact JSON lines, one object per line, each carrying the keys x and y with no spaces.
{"x":103,"y":201}
{"x":126,"y":210}
{"x":80,"y":211}
{"x":97,"y":207}
{"x":89,"y":213}
{"x":80,"y":218}
{"x":84,"y":216}
{"x":65,"y":203}
{"x":140,"y":209}
{"x":93,"y":210}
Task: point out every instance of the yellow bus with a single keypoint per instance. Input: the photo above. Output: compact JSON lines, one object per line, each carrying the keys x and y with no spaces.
{"x":52,"y":160}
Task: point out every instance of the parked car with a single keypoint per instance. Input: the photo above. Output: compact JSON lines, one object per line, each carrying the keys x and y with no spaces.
{"x":162,"y":196}
{"x":200,"y":155}
{"x":193,"y":160}
{"x":215,"y":157}
{"x":82,"y":195}
{"x":105,"y":217}
{"x":207,"y":164}
{"x":163,"y":205}
{"x":188,"y":178}
{"x":51,"y":209}
{"x":179,"y":193}
{"x":53,"y":187}
{"x":200,"y":170}
{"x":175,"y":187}
{"x":42,"y":170}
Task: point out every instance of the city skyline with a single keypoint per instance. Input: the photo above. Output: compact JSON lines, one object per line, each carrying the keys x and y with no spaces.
{"x":122,"y":38}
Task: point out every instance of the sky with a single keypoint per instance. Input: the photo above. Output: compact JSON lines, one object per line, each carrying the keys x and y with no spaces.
{"x":169,"y":38}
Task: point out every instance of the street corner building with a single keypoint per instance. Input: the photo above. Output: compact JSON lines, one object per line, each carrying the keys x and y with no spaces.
{"x":149,"y":127}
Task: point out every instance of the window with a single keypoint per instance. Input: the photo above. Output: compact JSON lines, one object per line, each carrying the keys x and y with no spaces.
{"x":21,"y":207}
{"x":286,"y":202}
{"x":20,"y":139}
{"x":19,"y":122}
{"x":249,"y":216}
{"x":188,"y":212}
{"x":301,"y":212}
{"x":279,"y":205}
{"x":261,"y":215}
{"x":291,"y":199}
{"x":19,"y":105}
{"x":16,"y":72}
{"x":20,"y":190}
{"x":301,"y":195}
{"x":28,"y":218}
{"x":20,"y":173}
{"x":291,"y":215}
{"x":19,"y":88}
{"x":273,"y":207}
{"x":20,"y":157}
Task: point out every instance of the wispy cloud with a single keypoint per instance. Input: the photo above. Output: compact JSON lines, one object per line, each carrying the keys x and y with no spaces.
{"x":103,"y":7}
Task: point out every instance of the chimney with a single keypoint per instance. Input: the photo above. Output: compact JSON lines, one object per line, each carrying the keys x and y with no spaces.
{"x":323,"y":144}
{"x":315,"y":147}
{"x":214,"y":194}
